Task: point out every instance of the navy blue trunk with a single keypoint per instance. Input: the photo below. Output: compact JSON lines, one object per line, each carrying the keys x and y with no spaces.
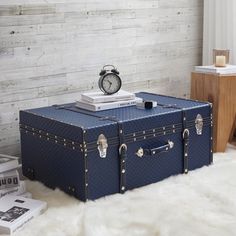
{"x":93,"y":154}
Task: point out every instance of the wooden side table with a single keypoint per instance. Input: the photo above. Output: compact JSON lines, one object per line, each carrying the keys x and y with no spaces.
{"x":221,"y":91}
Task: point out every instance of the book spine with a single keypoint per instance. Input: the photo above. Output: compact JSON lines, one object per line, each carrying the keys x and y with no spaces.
{"x":21,"y":189}
{"x":9,"y":180}
{"x":117,"y":105}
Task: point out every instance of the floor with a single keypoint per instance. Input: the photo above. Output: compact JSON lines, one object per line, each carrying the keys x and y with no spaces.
{"x":200,"y":203}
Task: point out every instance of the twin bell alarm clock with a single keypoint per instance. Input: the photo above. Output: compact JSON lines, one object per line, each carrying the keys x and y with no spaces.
{"x":109,"y":81}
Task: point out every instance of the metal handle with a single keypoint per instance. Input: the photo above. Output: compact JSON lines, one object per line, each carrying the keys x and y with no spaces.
{"x":154,"y":151}
{"x":108,"y":66}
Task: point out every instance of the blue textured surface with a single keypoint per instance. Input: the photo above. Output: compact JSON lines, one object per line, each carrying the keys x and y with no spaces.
{"x":58,"y":166}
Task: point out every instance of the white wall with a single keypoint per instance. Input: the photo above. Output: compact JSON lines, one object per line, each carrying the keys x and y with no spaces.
{"x":51,"y":51}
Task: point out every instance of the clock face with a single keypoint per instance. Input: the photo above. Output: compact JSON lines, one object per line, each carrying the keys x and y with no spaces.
{"x":111,"y":83}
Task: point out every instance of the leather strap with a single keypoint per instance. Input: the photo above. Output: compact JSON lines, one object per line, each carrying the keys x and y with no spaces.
{"x":185,"y":142}
{"x":122,"y":156}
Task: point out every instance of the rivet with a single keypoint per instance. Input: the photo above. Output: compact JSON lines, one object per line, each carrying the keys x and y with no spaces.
{"x":186,"y":170}
{"x":86,"y":184}
{"x":173,"y":126}
{"x":85,"y":154}
{"x":121,"y":131}
{"x":84,"y":131}
{"x":123,"y":188}
{"x":153,"y":130}
{"x":186,"y":144}
{"x":69,"y":187}
{"x":26,"y":132}
{"x":144,"y":132}
{"x":164,"y":133}
{"x":211,"y":151}
{"x":33,"y":129}
{"x":81,"y":150}
{"x":73,"y":189}
{"x":211,"y":138}
{"x":173,"y":130}
{"x":40,"y":136}
{"x":134,"y":134}
{"x":85,"y":150}
{"x":144,"y":137}
{"x":86,"y":170}
{"x":164,"y":128}
{"x":47,"y":138}
{"x":186,"y":154}
{"x":123,"y":171}
{"x":135,"y":139}
{"x":64,"y":144}
{"x":47,"y":134}
{"x":154,"y":135}
{"x":153,"y":152}
{"x":123,"y":161}
{"x":73,"y":148}
{"x":33,"y":133}
{"x":40,"y":131}
{"x":55,"y":141}
{"x":167,"y":149}
{"x":64,"y":140}
{"x":55,"y":136}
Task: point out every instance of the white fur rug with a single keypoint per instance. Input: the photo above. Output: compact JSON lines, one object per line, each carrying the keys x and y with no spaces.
{"x":202,"y":203}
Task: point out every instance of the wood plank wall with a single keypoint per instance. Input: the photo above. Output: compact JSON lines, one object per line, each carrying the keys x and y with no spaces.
{"x":52,"y":50}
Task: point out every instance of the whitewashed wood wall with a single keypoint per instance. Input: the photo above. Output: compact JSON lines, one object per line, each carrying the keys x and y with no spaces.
{"x":52,"y":50}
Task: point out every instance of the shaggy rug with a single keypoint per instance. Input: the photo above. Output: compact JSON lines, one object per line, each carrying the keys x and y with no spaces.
{"x":200,"y":203}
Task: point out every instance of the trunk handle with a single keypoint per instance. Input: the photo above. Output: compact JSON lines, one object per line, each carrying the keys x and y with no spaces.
{"x":154,"y":151}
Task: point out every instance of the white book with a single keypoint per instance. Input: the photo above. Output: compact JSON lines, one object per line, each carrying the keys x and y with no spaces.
{"x":9,"y":179}
{"x":16,"y":211}
{"x":100,"y":97}
{"x":229,"y":69}
{"x":15,"y":191}
{"x":7,"y":163}
{"x":106,"y":105}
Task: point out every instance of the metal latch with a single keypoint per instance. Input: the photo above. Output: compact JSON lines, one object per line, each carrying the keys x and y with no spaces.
{"x":199,"y":124}
{"x":102,"y":145}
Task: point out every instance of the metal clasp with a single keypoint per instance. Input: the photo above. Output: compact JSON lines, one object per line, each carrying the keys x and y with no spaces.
{"x":102,"y":145}
{"x":199,"y":124}
{"x":140,"y":152}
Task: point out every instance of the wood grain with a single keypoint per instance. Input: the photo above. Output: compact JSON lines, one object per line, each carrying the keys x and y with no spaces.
{"x":52,"y":51}
{"x":220,"y":90}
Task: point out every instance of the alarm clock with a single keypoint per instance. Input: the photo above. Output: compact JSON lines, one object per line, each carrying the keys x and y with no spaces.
{"x":109,"y":81}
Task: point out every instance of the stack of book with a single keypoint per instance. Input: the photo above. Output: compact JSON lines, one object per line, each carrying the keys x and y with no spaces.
{"x":16,"y":206}
{"x":98,"y":101}
{"x":10,"y":183}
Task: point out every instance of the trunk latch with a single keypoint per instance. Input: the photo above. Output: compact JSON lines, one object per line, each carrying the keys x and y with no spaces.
{"x":102,"y":145}
{"x":199,"y":124}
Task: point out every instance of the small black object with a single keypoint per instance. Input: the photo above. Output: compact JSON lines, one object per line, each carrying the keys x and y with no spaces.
{"x":147,"y":104}
{"x":109,"y":81}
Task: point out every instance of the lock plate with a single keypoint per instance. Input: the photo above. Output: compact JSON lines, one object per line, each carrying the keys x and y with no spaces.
{"x":102,"y":145}
{"x":199,"y":124}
